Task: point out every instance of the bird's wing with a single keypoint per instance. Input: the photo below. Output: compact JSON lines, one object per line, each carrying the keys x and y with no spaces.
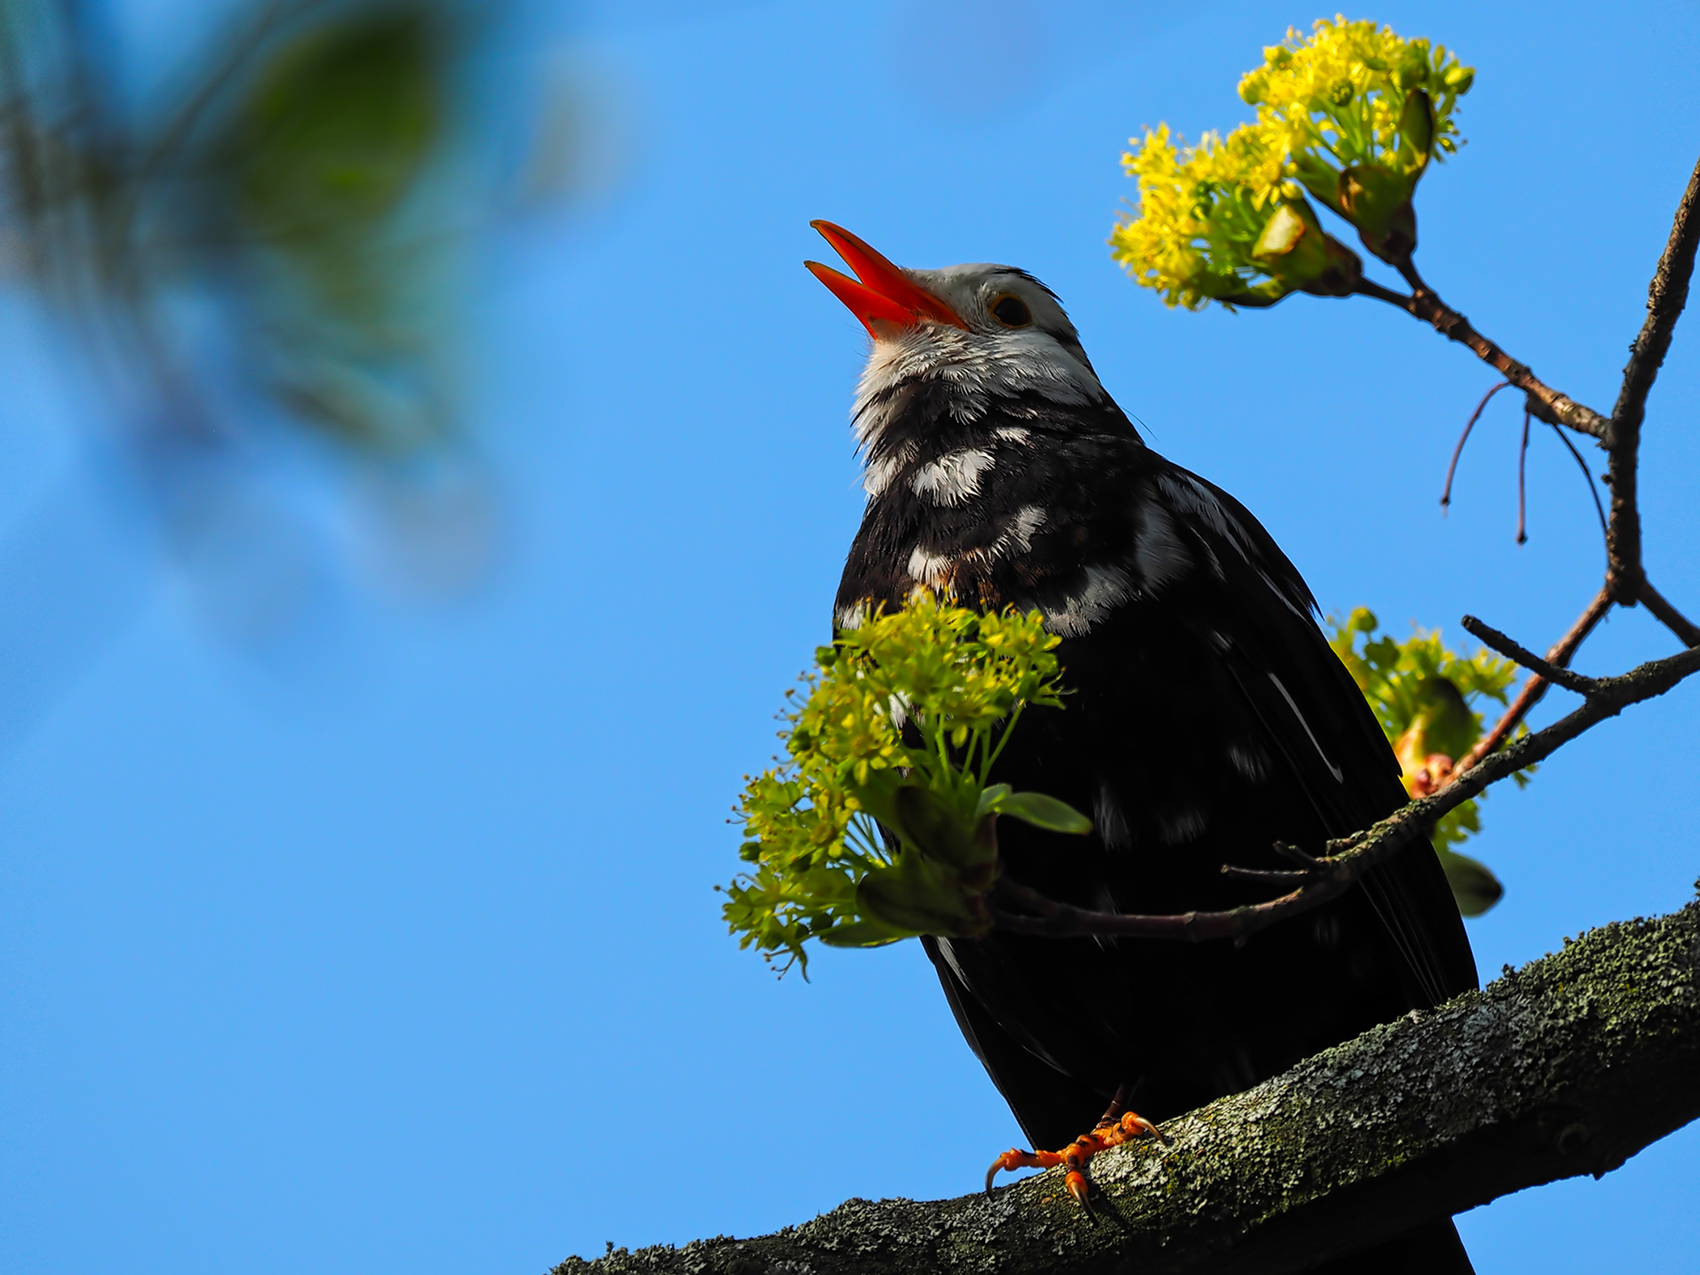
{"x":1253,"y":606}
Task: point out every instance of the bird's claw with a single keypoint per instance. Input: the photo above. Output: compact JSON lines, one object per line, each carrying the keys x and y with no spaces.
{"x":1077,"y":1156}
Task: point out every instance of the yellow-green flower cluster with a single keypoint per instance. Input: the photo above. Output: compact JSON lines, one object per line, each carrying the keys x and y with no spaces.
{"x":920,"y":698}
{"x":1202,"y":211}
{"x":1343,"y":92}
{"x":1351,"y":114}
{"x":1423,"y":694}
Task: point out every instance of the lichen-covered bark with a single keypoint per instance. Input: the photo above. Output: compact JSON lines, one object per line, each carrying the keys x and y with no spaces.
{"x":1567,"y":1066}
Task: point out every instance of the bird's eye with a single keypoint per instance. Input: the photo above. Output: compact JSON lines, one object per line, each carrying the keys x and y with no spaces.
{"x":1011,"y":311}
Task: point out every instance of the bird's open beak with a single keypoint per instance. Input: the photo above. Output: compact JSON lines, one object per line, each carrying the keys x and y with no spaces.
{"x":881,"y":294}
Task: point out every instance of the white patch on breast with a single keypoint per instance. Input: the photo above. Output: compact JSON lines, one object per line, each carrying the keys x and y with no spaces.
{"x":879,"y":473}
{"x":852,"y":615}
{"x":1157,"y":550}
{"x":938,"y":570}
{"x":1019,"y":534}
{"x":1106,"y":589}
{"x":935,"y":570}
{"x":953,"y":477}
{"x":1334,"y":770}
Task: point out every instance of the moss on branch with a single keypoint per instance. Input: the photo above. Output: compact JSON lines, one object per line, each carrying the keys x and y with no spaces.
{"x":1569,"y":1065}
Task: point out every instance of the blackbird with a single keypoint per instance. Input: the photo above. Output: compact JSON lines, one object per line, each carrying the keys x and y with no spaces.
{"x":1207,"y":719}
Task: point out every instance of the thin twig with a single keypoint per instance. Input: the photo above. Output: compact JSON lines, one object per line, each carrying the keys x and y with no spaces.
{"x":1236,"y":873}
{"x":1522,"y":485}
{"x":1546,"y":403}
{"x":1536,"y":687}
{"x":1553,"y":673}
{"x":1349,"y":858}
{"x":1666,"y":296}
{"x":1588,"y":474}
{"x":1294,"y":855}
{"x":1446,"y":492}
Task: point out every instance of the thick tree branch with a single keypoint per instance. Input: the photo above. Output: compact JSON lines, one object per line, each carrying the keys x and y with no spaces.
{"x":1666,"y":296}
{"x":1024,"y":911}
{"x":1568,"y":1066}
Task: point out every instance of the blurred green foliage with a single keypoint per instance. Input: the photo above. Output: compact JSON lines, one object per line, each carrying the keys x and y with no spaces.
{"x":1424,"y":695}
{"x":338,"y":126}
{"x":902,"y":720}
{"x":295,"y":172}
{"x":259,"y":247}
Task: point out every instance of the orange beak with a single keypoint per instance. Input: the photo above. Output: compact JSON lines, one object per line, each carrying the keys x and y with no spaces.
{"x":881,"y":293}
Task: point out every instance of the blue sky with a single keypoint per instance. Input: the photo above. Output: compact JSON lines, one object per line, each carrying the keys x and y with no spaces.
{"x":396,"y":950}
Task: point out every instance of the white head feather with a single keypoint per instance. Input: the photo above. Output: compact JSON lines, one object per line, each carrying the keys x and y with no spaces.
{"x":992,"y":357}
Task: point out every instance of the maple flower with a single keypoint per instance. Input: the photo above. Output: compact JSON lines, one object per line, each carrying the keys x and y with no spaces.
{"x":1350,"y":116}
{"x":904,"y":715}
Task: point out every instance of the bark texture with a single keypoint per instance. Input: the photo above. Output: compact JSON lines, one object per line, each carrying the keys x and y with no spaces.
{"x":1569,"y":1065}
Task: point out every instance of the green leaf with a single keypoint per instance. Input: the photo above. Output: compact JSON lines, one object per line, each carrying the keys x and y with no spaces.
{"x":933,"y":824}
{"x":864,"y":934}
{"x":1045,"y":812}
{"x":877,"y":795}
{"x":990,"y":799}
{"x":916,"y":896}
{"x":1473,"y":886}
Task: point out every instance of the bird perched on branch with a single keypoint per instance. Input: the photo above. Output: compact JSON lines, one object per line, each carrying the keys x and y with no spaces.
{"x":1208,"y":720}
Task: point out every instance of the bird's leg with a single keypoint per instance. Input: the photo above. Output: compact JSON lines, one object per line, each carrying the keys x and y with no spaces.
{"x":1116,"y":1126}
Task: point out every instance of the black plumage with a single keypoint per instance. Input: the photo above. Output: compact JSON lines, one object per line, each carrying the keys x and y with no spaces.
{"x":1207,"y":719}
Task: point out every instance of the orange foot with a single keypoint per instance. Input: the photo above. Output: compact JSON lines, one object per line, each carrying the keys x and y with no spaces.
{"x":1112,"y":1130}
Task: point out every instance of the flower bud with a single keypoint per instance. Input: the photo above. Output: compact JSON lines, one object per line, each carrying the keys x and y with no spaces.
{"x":1416,"y":132}
{"x":1377,"y":200}
{"x":1302,"y":257}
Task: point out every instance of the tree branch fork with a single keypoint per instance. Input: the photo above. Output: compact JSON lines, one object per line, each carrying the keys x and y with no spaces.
{"x":1568,"y":1066}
